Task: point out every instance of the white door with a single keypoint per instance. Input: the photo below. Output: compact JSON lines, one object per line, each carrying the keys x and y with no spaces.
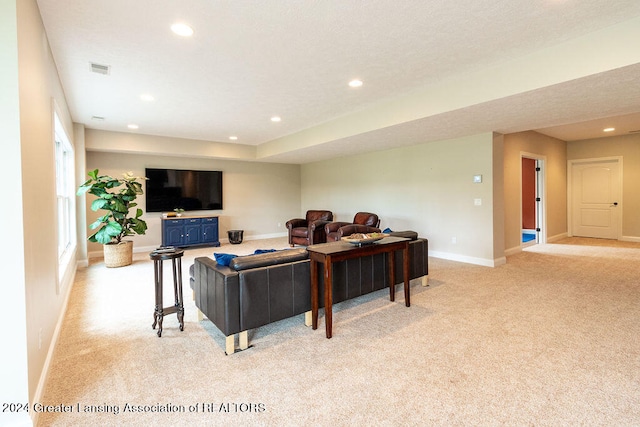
{"x":595,"y":193}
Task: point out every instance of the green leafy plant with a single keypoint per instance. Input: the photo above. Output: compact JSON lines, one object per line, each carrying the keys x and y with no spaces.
{"x":116,"y":196}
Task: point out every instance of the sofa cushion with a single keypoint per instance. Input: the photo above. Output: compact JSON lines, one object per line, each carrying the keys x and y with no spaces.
{"x":270,"y":258}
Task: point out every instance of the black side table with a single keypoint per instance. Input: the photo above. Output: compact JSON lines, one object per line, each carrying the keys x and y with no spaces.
{"x":175,"y":255}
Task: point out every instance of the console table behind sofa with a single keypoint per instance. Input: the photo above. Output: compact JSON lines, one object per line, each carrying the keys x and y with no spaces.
{"x":275,"y":286}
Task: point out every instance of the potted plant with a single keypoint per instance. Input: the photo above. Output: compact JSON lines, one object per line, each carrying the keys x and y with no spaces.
{"x":116,"y":196}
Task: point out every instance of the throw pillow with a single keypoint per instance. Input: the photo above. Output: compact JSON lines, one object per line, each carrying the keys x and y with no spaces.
{"x":224,"y":259}
{"x":263,"y":251}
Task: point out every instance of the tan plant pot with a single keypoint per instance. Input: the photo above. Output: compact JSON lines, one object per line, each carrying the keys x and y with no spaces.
{"x":118,"y":254}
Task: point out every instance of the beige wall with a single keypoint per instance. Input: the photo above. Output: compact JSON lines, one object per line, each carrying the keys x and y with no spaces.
{"x":427,"y":188}
{"x":258,"y":197}
{"x":498,"y":198}
{"x":14,"y":369}
{"x":628,"y":147}
{"x":31,"y":82}
{"x":554,"y":151}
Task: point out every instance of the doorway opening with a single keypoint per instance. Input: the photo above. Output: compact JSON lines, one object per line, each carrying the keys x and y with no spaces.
{"x":532,"y":213}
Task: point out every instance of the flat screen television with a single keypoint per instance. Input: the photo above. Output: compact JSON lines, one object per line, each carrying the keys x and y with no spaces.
{"x":191,"y":190}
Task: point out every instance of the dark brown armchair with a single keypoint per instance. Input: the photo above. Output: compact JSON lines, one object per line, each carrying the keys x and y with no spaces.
{"x":363,"y":222}
{"x":310,"y":230}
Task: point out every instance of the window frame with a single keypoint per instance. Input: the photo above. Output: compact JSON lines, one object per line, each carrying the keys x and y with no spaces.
{"x":64,"y":169}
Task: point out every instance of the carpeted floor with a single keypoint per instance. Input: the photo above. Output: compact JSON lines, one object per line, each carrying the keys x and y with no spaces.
{"x":549,"y":339}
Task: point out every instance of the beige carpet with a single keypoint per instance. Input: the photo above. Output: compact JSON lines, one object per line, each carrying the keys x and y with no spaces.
{"x":549,"y":339}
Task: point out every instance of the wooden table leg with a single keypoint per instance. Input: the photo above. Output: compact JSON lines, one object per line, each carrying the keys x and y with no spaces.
{"x":314,"y":294}
{"x":159,"y":303}
{"x":328,"y":296}
{"x":177,"y":282}
{"x":405,"y":268}
{"x":392,"y":276}
{"x":155,"y":289}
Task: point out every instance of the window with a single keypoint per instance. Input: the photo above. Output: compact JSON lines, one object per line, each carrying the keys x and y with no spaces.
{"x":65,"y":193}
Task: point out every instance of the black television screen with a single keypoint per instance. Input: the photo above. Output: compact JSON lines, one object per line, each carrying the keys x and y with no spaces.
{"x":191,"y":190}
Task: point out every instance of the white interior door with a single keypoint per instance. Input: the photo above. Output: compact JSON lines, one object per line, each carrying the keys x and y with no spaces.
{"x":595,"y":193}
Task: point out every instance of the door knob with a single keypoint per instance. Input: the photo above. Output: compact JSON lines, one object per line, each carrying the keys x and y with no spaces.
{"x":615,"y":204}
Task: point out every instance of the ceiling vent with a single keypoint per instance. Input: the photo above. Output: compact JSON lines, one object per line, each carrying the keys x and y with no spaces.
{"x":97,"y":118}
{"x":100,"y":69}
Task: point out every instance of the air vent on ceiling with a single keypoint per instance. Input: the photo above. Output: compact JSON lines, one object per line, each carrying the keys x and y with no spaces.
{"x":99,"y":68}
{"x":97,"y":118}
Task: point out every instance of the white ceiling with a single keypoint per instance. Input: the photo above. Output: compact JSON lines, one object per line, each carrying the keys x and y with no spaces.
{"x":250,"y":60}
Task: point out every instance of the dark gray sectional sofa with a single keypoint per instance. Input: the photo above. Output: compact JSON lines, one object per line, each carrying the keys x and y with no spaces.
{"x":256,"y":290}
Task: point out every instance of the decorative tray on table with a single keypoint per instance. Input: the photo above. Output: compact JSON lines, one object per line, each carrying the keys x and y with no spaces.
{"x":364,"y":238}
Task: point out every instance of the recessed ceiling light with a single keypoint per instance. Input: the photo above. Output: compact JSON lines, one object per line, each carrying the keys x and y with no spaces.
{"x":233,"y":138}
{"x":147,"y":97}
{"x":132,"y":126}
{"x":355,"y":83}
{"x":608,"y":129}
{"x":182,"y":29}
{"x":275,"y":119}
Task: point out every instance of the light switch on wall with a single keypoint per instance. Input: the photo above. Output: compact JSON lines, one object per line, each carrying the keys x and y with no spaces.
{"x":477,"y":179}
{"x":477,"y":202}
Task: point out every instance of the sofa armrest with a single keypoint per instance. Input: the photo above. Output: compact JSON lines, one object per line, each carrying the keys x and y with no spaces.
{"x":217,"y":293}
{"x":318,"y":225}
{"x":317,"y":233}
{"x":411,"y":235}
{"x":296,"y":222}
{"x":332,"y":227}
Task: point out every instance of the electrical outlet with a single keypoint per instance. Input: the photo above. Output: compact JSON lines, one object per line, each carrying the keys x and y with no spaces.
{"x":477,"y":202}
{"x":454,"y":240}
{"x":279,"y":224}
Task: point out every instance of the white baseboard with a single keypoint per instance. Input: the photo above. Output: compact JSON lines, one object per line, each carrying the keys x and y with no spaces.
{"x":557,"y":237}
{"x":499,"y":261}
{"x":513,"y":251}
{"x":469,"y":260}
{"x":630,"y":239}
{"x":42,"y":382}
{"x":262,"y":236}
{"x":258,"y":237}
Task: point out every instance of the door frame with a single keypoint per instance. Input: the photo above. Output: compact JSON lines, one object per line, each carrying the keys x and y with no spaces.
{"x":574,"y":162}
{"x":541,"y":207}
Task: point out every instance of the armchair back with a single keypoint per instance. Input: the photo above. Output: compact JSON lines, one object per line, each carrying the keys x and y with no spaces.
{"x":366,"y":218}
{"x":310,"y":230}
{"x":319,"y":216}
{"x":363,"y":222}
